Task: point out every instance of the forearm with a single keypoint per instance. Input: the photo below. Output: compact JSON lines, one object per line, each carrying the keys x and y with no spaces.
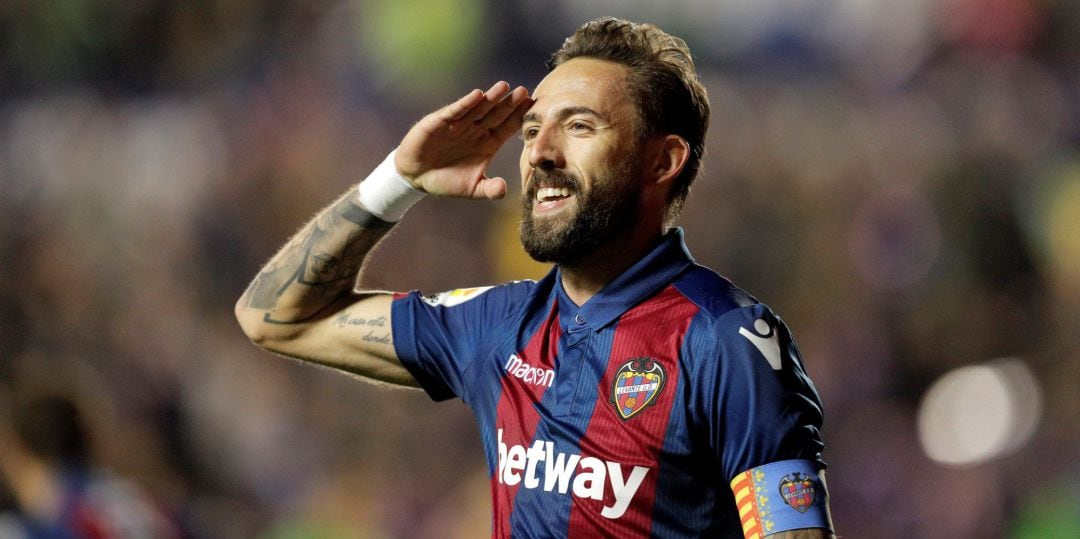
{"x":317,"y":267}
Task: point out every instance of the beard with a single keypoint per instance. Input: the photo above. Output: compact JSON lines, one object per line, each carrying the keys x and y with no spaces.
{"x":603,"y":212}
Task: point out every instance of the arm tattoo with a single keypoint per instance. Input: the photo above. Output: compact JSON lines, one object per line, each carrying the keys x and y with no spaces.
{"x":319,"y":264}
{"x":344,"y":320}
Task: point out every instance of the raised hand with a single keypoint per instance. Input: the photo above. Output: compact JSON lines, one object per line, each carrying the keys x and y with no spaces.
{"x":448,"y":151}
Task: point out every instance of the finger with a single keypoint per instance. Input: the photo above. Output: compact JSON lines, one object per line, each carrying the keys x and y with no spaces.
{"x":458,"y":109}
{"x":512,"y":123}
{"x":491,"y":98}
{"x":492,"y":188}
{"x":504,"y":109}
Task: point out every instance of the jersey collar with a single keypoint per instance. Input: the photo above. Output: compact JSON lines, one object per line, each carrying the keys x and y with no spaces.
{"x":648,"y":275}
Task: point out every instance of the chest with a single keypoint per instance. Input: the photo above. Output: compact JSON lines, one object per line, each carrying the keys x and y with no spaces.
{"x":615,"y":392}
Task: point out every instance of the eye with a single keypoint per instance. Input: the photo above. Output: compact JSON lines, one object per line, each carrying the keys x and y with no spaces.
{"x":529,"y":133}
{"x":579,"y":127}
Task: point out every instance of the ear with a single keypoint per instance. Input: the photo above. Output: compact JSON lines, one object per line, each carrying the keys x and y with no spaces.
{"x":671,"y":154}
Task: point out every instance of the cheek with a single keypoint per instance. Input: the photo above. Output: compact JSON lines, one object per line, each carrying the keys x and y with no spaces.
{"x":524,"y":167}
{"x":593,"y":160}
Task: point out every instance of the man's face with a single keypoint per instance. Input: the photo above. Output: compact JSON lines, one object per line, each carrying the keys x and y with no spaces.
{"x":580,"y":164}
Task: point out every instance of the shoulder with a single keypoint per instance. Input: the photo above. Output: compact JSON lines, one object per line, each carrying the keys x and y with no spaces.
{"x":712,"y":293}
{"x":508,"y":292}
{"x":734,"y":323}
{"x":485,"y":305}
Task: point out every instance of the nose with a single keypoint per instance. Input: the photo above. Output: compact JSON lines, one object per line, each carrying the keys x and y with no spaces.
{"x":545,"y":151}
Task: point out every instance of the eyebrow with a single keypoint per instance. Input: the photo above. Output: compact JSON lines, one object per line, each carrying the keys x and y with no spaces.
{"x":562,"y":114}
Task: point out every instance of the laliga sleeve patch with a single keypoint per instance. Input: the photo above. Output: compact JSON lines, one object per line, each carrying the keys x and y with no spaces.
{"x":781,"y":496}
{"x":454,"y":297}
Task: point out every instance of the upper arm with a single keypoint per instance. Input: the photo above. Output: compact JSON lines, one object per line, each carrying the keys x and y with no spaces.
{"x":764,"y":418}
{"x":756,"y":402}
{"x":352,"y":335}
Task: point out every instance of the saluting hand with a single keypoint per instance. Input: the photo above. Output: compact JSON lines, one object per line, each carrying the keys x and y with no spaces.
{"x":448,"y":151}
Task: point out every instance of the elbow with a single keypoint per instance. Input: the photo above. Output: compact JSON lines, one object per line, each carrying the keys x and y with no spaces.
{"x":253,"y":324}
{"x":246,"y":318}
{"x":266,"y":332}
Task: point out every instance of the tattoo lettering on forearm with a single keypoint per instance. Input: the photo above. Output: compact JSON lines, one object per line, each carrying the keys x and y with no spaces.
{"x":318,"y":259}
{"x":346,"y":320}
{"x":378,"y":337}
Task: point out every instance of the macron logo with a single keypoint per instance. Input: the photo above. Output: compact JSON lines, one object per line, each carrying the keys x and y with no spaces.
{"x":521,"y":465}
{"x":527,"y":373}
{"x":764,"y":339}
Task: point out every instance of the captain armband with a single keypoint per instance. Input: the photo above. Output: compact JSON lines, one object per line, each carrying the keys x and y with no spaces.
{"x":387,"y":194}
{"x":781,"y":496}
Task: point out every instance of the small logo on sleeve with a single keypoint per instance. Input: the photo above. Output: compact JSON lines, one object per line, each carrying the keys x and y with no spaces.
{"x":764,"y":339}
{"x":638,"y":383}
{"x":454,"y":297}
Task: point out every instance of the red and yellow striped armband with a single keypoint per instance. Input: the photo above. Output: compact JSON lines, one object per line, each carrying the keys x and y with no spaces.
{"x":781,"y":496}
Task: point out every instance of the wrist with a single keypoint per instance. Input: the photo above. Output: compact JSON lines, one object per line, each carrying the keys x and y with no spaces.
{"x":387,"y":194}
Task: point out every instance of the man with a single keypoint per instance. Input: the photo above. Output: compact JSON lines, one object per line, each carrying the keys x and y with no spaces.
{"x":630,"y":392}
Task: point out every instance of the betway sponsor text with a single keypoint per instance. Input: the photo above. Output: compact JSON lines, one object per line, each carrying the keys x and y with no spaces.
{"x":584,"y":477}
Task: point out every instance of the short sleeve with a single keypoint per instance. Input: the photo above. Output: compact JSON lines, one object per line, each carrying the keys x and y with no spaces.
{"x":757,"y":401}
{"x":437,"y":337}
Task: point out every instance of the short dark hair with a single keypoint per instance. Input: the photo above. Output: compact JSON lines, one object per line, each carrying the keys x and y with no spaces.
{"x":661,"y":79}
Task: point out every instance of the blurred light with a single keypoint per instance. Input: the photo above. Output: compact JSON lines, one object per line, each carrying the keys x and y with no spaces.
{"x":423,"y":55}
{"x":726,"y":27}
{"x":1052,"y":218}
{"x":979,"y":413}
{"x":1052,"y":512}
{"x":995,"y":25}
{"x":879,"y":39}
{"x":1062,"y":222}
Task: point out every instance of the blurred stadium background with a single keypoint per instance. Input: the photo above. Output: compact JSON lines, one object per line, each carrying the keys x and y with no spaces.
{"x":899,"y":180}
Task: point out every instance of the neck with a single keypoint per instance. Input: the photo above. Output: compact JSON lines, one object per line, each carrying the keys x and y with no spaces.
{"x":586,"y":278}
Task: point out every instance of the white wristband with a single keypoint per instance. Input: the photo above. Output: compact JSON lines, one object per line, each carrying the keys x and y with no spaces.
{"x":386,"y":194}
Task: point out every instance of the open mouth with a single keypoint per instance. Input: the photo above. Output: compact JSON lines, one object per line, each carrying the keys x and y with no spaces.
{"x":551,"y":199}
{"x":551,"y":191}
{"x":551,"y":194}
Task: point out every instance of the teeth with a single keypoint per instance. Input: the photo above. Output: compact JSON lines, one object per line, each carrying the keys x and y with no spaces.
{"x":545,"y":193}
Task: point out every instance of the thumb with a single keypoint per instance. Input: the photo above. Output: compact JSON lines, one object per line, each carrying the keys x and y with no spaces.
{"x":492,"y":188}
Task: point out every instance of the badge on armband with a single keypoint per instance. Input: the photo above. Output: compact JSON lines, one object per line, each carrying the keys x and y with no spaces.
{"x":781,"y":496}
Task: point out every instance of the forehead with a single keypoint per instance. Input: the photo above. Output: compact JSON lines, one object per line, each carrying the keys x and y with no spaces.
{"x":581,"y":82}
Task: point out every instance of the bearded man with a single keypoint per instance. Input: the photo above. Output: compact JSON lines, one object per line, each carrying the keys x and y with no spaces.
{"x":630,"y":392}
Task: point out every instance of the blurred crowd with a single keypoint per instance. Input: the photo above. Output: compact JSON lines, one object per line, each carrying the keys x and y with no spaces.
{"x":899,"y":180}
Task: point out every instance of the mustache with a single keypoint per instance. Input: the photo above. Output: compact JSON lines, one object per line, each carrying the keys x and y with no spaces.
{"x":550,"y":178}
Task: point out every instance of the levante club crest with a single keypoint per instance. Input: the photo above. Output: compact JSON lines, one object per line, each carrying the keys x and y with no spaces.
{"x":637,"y":385}
{"x":798,"y":491}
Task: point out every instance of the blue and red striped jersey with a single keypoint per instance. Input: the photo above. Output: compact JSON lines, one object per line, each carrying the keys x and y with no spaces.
{"x":627,"y":416}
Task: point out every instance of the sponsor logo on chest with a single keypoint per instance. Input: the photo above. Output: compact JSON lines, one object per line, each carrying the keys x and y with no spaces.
{"x":529,"y":374}
{"x":541,"y":467}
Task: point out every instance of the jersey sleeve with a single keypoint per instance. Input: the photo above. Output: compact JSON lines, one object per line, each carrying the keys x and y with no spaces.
{"x":437,"y":337}
{"x":758,"y":404}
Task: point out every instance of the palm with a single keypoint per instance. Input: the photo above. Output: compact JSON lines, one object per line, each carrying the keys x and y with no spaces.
{"x":448,"y":151}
